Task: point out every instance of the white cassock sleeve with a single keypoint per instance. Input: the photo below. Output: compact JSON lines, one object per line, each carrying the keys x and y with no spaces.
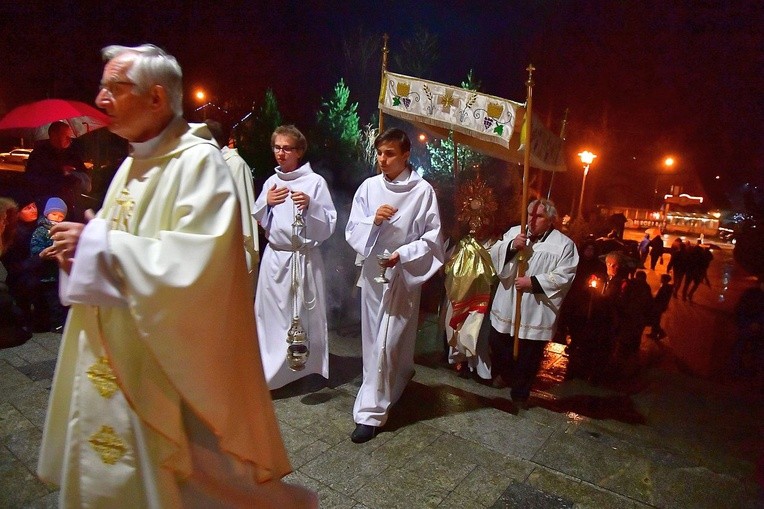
{"x":91,"y":281}
{"x":361,"y":232}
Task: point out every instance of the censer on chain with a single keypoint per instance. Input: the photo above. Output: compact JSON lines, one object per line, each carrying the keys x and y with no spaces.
{"x":298,"y":348}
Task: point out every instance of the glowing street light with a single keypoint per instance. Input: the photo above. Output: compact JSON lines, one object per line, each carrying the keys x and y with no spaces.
{"x":586,"y":158}
{"x":200,"y":95}
{"x":669,"y":162}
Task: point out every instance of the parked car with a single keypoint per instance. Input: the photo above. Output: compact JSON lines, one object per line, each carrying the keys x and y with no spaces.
{"x":15,"y":160}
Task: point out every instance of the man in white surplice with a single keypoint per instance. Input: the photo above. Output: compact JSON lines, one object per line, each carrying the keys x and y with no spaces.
{"x":394,"y":213}
{"x":292,"y":269}
{"x":158,"y":399}
{"x":552,"y":259}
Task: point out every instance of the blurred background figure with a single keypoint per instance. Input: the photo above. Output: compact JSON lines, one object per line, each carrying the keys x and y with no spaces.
{"x":582,"y":316}
{"x":660,"y":305}
{"x":23,"y":269}
{"x":11,"y":332}
{"x":747,"y":358}
{"x":242,"y":177}
{"x":677,"y":265}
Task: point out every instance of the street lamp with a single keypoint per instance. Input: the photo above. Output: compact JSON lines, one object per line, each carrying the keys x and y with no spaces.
{"x":586,"y":158}
{"x":201,"y":97}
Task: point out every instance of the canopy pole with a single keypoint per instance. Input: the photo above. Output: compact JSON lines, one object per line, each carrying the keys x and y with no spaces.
{"x":456,"y":156}
{"x":562,"y":137}
{"x":522,"y":255}
{"x":385,"y":51}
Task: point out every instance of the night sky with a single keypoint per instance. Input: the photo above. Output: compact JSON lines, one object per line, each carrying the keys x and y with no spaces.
{"x":641,"y":79}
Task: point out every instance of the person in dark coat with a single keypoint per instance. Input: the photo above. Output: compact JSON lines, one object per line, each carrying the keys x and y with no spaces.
{"x":579,"y":310}
{"x":617,"y":222}
{"x":656,"y":251}
{"x":603,"y":323}
{"x":11,"y":331}
{"x":660,"y":305}
{"x":747,"y":356}
{"x":698,"y":261}
{"x":55,"y":168}
{"x":678,"y":264}
{"x":24,"y":270}
{"x":633,"y":315}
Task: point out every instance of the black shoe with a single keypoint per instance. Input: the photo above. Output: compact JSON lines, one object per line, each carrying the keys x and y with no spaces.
{"x":363,"y":433}
{"x":499,"y":382}
{"x":520,"y":403}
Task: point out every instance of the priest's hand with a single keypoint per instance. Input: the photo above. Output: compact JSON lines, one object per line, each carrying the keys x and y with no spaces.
{"x":523,"y":284}
{"x":277,"y":195}
{"x":66,"y":237}
{"x":301,"y":200}
{"x":520,"y":242}
{"x":384,"y":213}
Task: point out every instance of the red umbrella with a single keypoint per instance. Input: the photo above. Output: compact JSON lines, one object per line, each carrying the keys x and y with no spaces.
{"x":34,"y":118}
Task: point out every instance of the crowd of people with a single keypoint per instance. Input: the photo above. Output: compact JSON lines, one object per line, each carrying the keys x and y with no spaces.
{"x":173,"y":341}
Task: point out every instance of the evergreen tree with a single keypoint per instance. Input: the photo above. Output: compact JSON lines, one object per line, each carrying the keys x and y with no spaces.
{"x":253,"y":138}
{"x":418,"y":54}
{"x":471,"y":83}
{"x":335,"y":141}
{"x":363,"y":58}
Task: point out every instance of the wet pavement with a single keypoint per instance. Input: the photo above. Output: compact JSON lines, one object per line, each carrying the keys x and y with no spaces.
{"x":683,"y":433}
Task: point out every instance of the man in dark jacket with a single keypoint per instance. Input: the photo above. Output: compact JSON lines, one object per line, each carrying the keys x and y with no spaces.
{"x":55,"y":168}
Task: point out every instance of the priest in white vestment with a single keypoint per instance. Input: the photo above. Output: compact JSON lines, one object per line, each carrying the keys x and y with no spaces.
{"x":291,"y":281}
{"x":551,"y":259}
{"x":394,"y":215}
{"x":242,"y":178}
{"x":158,"y":399}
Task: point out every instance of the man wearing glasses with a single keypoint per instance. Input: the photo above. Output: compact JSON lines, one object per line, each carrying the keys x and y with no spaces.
{"x":158,"y":399}
{"x":297,"y":213}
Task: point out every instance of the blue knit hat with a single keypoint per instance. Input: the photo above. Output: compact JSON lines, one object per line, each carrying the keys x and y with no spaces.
{"x":55,"y":204}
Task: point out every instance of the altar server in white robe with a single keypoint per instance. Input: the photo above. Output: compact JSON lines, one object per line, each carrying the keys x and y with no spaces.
{"x":394,"y":213}
{"x":292,"y":254}
{"x":242,"y":178}
{"x":158,"y":399}
{"x":552,"y":259}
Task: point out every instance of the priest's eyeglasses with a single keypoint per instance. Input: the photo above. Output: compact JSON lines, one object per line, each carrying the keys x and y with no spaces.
{"x":110,"y":87}
{"x":285,"y":149}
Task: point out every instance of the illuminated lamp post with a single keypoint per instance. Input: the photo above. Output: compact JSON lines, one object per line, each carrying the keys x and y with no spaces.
{"x":200,"y":96}
{"x":668,"y":163}
{"x":586,"y":158}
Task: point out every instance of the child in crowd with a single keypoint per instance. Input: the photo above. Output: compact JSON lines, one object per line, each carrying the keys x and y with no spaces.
{"x":660,"y":305}
{"x":55,"y":212}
